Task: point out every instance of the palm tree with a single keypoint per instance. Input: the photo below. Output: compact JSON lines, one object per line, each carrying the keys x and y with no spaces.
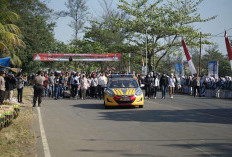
{"x":10,"y":34}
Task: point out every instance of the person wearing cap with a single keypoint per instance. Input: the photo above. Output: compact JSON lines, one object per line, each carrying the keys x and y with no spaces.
{"x":2,"y":86}
{"x":171,"y":84}
{"x":38,"y":88}
{"x":10,"y":83}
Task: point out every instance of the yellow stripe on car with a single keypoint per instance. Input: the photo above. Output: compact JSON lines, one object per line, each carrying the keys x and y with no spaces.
{"x":133,"y":92}
{"x":114,"y":92}
{"x":127,"y":92}
{"x":118,"y":92}
{"x":121,"y":92}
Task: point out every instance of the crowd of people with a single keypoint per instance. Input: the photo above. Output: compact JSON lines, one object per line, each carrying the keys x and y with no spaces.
{"x":191,"y":84}
{"x":8,"y":82}
{"x":75,"y":84}
{"x":84,"y":85}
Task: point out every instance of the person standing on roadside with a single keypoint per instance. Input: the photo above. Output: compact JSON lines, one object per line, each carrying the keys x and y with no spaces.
{"x":94,"y":84}
{"x":89,"y":84}
{"x":2,"y":86}
{"x":163,"y":84}
{"x":62,"y":84}
{"x":102,"y":82}
{"x":20,"y":85}
{"x":155,"y":84}
{"x":57,"y":86}
{"x":196,"y":85}
{"x":45,"y":83}
{"x":76,"y":88}
{"x":51,"y":85}
{"x":38,"y":88}
{"x":171,"y":84}
{"x":84,"y":86}
{"x":148,"y":85}
{"x":10,"y":83}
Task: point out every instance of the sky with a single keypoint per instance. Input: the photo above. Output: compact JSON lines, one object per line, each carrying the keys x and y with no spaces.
{"x":208,"y":8}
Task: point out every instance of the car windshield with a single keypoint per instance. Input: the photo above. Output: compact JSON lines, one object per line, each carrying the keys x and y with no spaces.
{"x":123,"y":83}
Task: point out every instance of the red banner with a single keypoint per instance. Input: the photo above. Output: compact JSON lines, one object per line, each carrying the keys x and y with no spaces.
{"x":76,"y":57}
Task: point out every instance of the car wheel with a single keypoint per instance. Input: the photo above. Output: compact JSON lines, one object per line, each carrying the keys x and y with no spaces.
{"x":140,"y":106}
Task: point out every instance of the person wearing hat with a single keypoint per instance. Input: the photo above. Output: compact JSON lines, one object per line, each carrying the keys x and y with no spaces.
{"x":171,"y":82}
{"x":2,"y":86}
{"x":38,"y":88}
{"x":10,"y":83}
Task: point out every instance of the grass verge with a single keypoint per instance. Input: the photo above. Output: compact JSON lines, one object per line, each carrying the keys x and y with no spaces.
{"x":18,"y":139}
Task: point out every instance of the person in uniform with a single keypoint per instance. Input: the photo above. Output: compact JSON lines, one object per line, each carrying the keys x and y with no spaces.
{"x":38,"y":89}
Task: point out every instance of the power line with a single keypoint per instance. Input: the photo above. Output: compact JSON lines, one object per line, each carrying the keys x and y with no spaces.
{"x":217,"y":35}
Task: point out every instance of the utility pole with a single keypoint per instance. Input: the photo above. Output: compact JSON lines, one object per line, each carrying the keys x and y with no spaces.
{"x":199,"y":72}
{"x":129,"y":63}
{"x":146,"y":51}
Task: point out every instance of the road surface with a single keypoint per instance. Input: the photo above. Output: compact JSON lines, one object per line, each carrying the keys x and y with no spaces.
{"x":179,"y":127}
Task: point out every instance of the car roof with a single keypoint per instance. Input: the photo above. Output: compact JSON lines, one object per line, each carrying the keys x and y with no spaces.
{"x":121,"y":76}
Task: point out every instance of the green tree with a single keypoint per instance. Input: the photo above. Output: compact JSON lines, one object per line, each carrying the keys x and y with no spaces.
{"x":10,"y":34}
{"x":37,"y":29}
{"x":213,"y":54}
{"x":161,"y":24}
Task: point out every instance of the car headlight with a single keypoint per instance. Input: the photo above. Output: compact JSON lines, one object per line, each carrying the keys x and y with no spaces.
{"x":138,"y":92}
{"x":109,"y":92}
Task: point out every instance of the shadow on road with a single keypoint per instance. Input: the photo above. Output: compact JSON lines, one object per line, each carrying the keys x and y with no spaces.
{"x":225,"y":149}
{"x":218,"y":116}
{"x":90,"y":106}
{"x":119,"y":152}
{"x":101,"y":106}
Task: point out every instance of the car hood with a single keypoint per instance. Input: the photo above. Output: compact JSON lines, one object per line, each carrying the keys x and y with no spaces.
{"x":124,"y":91}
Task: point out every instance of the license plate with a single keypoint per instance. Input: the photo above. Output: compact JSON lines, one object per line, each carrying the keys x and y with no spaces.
{"x":124,"y":99}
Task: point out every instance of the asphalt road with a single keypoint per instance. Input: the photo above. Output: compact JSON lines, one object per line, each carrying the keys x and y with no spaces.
{"x":179,"y":127}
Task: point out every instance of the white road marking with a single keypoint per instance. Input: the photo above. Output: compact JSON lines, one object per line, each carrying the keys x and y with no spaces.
{"x":43,"y":135}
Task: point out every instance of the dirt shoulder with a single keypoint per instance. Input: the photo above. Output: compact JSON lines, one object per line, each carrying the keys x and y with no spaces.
{"x":18,"y":139}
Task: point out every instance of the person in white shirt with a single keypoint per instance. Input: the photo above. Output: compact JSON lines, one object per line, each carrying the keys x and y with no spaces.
{"x":84,"y":86}
{"x":171,"y":82}
{"x":155,"y":84}
{"x":102,"y":82}
{"x":94,"y":84}
{"x":76,"y":83}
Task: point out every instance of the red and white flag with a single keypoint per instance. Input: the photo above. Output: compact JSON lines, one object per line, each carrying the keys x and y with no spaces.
{"x":229,"y":50}
{"x":143,"y":61}
{"x":189,"y":59}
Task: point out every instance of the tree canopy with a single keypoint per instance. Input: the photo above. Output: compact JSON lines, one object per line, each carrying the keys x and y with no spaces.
{"x":27,"y":27}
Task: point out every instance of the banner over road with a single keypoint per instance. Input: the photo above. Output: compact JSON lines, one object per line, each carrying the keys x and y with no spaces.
{"x":77,"y":57}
